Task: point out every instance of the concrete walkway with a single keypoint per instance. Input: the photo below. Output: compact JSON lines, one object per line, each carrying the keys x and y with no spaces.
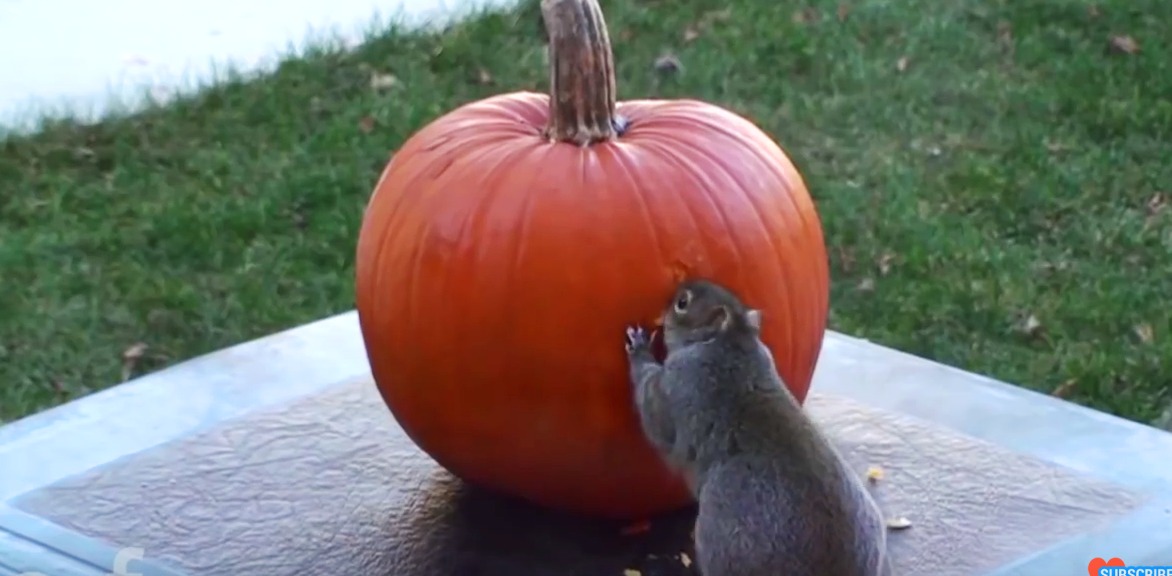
{"x":88,"y":57}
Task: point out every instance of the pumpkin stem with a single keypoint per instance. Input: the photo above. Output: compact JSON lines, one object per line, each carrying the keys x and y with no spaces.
{"x":581,"y":73}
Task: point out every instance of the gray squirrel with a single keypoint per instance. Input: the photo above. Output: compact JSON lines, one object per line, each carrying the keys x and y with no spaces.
{"x":775,"y":496}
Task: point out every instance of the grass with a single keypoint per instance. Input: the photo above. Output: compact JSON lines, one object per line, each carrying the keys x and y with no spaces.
{"x":989,"y":173}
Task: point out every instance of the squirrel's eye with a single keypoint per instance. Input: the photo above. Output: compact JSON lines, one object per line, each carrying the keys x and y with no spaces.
{"x":683,"y":301}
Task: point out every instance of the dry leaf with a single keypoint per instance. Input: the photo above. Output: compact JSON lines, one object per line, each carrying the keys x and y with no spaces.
{"x":58,"y":387}
{"x":846,"y":259}
{"x":885,"y":263}
{"x":130,"y":357}
{"x":691,"y":34}
{"x":636,"y":528}
{"x":866,"y":285}
{"x":134,"y":352}
{"x":366,"y":124}
{"x":899,"y":523}
{"x":1145,"y":333}
{"x":805,"y":15}
{"x":1092,"y":11}
{"x":901,"y":64}
{"x":632,"y":572}
{"x":874,"y":473}
{"x":843,"y":11}
{"x":685,"y":559}
{"x":1124,"y":44}
{"x":1157,"y":203}
{"x":1064,"y":389}
{"x":483,"y":77}
{"x":668,"y":64}
{"x":1005,"y":31}
{"x":1031,"y":326}
{"x":383,"y":81}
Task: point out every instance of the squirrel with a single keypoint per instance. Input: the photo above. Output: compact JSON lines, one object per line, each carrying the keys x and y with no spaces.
{"x":774,"y":495}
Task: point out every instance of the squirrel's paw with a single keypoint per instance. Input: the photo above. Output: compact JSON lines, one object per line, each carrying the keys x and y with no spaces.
{"x":638,"y":341}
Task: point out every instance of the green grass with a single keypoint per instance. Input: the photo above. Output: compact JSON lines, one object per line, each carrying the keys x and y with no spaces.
{"x":1005,"y":172}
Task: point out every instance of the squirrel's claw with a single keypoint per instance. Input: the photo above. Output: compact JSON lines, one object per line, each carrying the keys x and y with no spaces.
{"x":636,"y":339}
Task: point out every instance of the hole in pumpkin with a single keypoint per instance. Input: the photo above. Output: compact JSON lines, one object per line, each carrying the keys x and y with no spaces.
{"x":658,"y":348}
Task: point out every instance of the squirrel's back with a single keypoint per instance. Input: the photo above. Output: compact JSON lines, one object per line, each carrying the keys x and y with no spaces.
{"x":772,"y":490}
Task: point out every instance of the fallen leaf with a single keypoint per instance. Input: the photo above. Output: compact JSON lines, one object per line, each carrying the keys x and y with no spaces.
{"x":885,"y":263}
{"x":366,"y":124}
{"x":1157,"y":203}
{"x":874,"y":473}
{"x":668,"y":64}
{"x":1031,"y":326}
{"x":483,"y":77}
{"x":1092,"y":11}
{"x":1064,"y":389}
{"x":899,"y":523}
{"x":134,"y":352}
{"x":1005,"y":31}
{"x":130,"y":357}
{"x":58,"y":387}
{"x":383,"y":81}
{"x":843,"y":12}
{"x":1124,"y":44}
{"x":685,"y":559}
{"x":808,"y":14}
{"x":901,"y":64}
{"x":866,"y":285}
{"x":636,"y":528}
{"x":691,"y":34}
{"x":846,"y":259}
{"x":632,"y":572}
{"x":1145,"y":333}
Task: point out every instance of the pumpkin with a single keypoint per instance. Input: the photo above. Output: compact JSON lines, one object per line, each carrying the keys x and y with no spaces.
{"x":509,"y":243}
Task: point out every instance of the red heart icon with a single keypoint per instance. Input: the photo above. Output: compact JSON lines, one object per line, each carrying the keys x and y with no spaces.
{"x":1093,"y":567}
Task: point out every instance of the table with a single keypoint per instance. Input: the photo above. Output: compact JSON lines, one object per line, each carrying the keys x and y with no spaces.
{"x":276,"y":457}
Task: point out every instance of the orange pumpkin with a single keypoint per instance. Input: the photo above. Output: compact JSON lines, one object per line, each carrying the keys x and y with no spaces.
{"x":509,"y":243}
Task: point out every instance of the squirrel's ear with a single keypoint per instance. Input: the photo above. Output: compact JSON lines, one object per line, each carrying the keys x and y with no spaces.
{"x":754,"y":318}
{"x":723,"y":317}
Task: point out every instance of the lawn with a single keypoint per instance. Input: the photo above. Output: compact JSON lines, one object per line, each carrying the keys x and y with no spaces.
{"x":992,"y":177}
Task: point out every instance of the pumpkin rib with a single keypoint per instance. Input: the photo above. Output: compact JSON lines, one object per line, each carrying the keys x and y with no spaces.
{"x":699,"y":180}
{"x":694,"y":228}
{"x":705,"y":187}
{"x":386,"y":220}
{"x":780,"y":271}
{"x":621,"y":158}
